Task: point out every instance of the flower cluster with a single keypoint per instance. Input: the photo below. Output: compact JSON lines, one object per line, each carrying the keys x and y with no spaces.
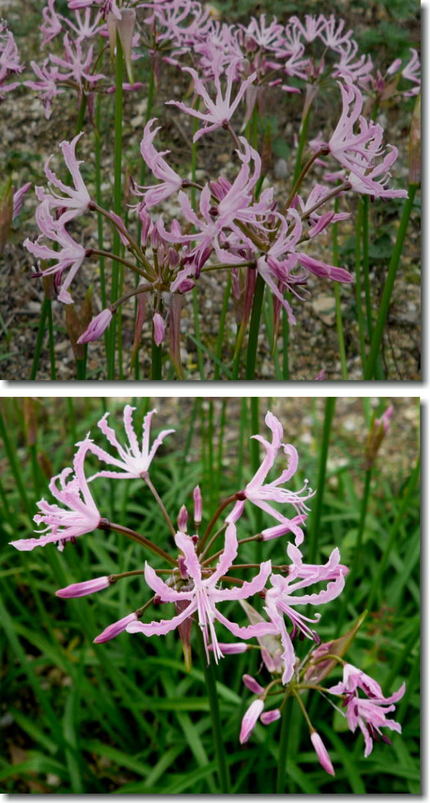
{"x":199,"y":579}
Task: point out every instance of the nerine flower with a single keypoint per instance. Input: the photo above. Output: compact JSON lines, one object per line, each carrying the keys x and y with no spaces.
{"x":74,"y":200}
{"x":362,"y":153}
{"x":171,"y":181}
{"x":367,"y":714}
{"x":47,"y":84}
{"x":9,"y":58}
{"x":203,"y":595}
{"x":134,"y":459}
{"x":69,"y":256}
{"x":78,"y":515}
{"x":262,"y":494}
{"x":219,"y":111}
{"x":281,"y":599}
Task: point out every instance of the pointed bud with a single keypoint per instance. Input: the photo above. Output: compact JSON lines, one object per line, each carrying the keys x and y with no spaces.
{"x":82,"y":589}
{"x":249,"y":720}
{"x":18,"y":199}
{"x":321,"y":752}
{"x":198,"y":505}
{"x":376,"y":435}
{"x":115,"y":629}
{"x":232,"y":649}
{"x":268,"y":717}
{"x":159,"y":328}
{"x":96,"y":327}
{"x":182,"y":519}
{"x":252,"y":684}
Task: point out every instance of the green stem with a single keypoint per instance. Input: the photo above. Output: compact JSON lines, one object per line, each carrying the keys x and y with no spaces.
{"x":117,"y":194}
{"x":81,"y":113}
{"x":283,"y":748}
{"x":46,"y":304}
{"x":212,"y":693}
{"x":330,"y":404}
{"x":285,"y":346}
{"x":51,"y":342}
{"x":156,"y":361}
{"x":220,"y":337}
{"x":337,"y":295}
{"x":365,"y":235}
{"x":399,"y":520}
{"x":254,"y":328}
{"x":356,"y":561}
{"x":255,"y":463}
{"x":107,"y":525}
{"x":14,"y":466}
{"x":303,"y":135}
{"x":358,"y":286}
{"x":376,"y":344}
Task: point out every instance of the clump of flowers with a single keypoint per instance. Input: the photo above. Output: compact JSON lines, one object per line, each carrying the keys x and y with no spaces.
{"x":200,"y":573}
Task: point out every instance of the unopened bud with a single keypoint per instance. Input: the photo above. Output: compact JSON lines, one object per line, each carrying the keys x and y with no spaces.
{"x":115,"y":629}
{"x":376,"y":435}
{"x":183,"y":519}
{"x":252,"y":684}
{"x":82,"y":589}
{"x":198,"y":505}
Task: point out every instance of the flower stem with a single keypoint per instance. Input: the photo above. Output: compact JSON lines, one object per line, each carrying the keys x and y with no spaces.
{"x":39,"y":339}
{"x":160,"y":503}
{"x":337,"y":295}
{"x":358,"y":286}
{"x":107,"y":525}
{"x":51,"y":341}
{"x":254,"y":327}
{"x":393,"y":267}
{"x":330,"y":404}
{"x":223,"y":504}
{"x":357,"y":559}
{"x":117,"y":193}
{"x":212,"y":693}
{"x":283,"y":748}
{"x":303,"y":135}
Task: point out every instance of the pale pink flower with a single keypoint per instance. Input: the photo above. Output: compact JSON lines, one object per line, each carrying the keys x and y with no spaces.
{"x":312,"y":26}
{"x":204,"y":595}
{"x":412,"y":73}
{"x":96,"y":327}
{"x":74,"y":200}
{"x":82,"y":589}
{"x":171,"y":181}
{"x":281,"y":599}
{"x":334,"y":36}
{"x":78,"y":62}
{"x":261,"y":34}
{"x":79,"y":514}
{"x":47,"y":85}
{"x":134,"y":459}
{"x":69,"y":256}
{"x":367,"y":714}
{"x":261,"y":494}
{"x":322,"y":753}
{"x":250,"y":720}
{"x":52,"y":24}
{"x":362,"y":153}
{"x":10,"y":63}
{"x":219,"y":112}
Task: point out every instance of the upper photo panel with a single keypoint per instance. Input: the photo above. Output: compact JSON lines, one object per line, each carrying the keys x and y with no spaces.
{"x":210,"y":191}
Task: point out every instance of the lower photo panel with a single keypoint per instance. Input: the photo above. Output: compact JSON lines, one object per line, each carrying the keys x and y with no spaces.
{"x":210,"y":595}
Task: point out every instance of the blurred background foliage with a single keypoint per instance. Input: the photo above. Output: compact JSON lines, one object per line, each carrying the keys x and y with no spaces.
{"x":126,"y":716}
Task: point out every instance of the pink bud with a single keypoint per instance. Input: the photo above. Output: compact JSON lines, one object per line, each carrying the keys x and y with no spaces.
{"x":159,"y":328}
{"x":96,"y":327}
{"x":82,"y":589}
{"x":183,"y":519}
{"x":270,"y":716}
{"x":232,"y":649}
{"x":385,"y":419}
{"x":249,"y":720}
{"x":252,"y":684}
{"x":115,"y":628}
{"x":321,"y":752}
{"x":18,"y":199}
{"x":198,"y":505}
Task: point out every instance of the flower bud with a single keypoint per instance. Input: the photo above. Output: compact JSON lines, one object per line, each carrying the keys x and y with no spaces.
{"x":82,"y":589}
{"x":159,"y":328}
{"x":115,"y":628}
{"x":198,"y":505}
{"x":321,"y":752}
{"x":183,"y":519}
{"x":97,"y":327}
{"x":252,"y":684}
{"x":249,"y":720}
{"x":268,"y":717}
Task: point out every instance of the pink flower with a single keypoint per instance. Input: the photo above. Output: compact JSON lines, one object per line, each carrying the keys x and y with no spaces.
{"x":134,"y":459}
{"x":250,"y":720}
{"x":47,"y":85}
{"x":74,"y":200}
{"x":69,"y":257}
{"x":261,"y":494}
{"x":96,"y":327}
{"x":280,"y":599}
{"x":368,"y":714}
{"x":362,"y":153}
{"x":9,"y":58}
{"x":220,"y":111}
{"x":82,"y":589}
{"x":322,"y":753}
{"x":252,"y":684}
{"x":78,"y":63}
{"x":79,"y":514}
{"x":171,"y":181}
{"x":204,"y":595}
{"x":412,"y":73}
{"x":51,"y":25}
{"x":270,"y":716}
